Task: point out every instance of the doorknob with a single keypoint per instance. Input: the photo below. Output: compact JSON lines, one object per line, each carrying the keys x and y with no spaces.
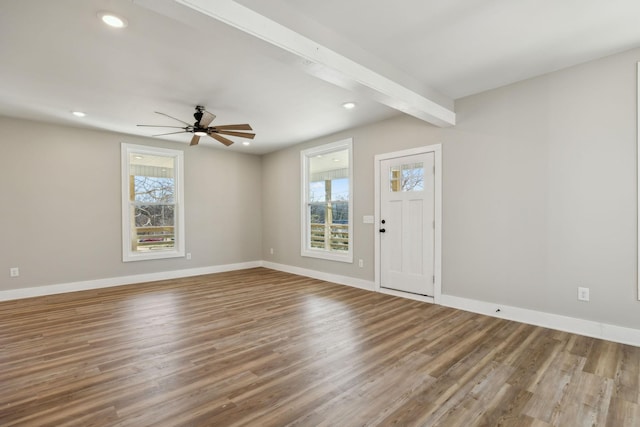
{"x":382,"y":230}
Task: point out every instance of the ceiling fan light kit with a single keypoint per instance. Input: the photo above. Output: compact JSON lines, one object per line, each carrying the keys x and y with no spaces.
{"x":201,"y":128}
{"x":112,"y":20}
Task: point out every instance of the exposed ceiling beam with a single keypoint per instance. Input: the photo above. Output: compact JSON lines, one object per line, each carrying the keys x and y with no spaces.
{"x":324,"y":63}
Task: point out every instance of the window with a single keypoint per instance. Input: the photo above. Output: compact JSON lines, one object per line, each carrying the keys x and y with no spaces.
{"x":327,"y":202}
{"x":152,"y":203}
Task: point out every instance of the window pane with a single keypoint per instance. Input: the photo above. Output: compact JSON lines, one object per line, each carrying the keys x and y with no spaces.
{"x":154,"y":228}
{"x":339,"y":239}
{"x":408,"y":177}
{"x":317,"y":191}
{"x":154,"y":215}
{"x":340,"y":212}
{"x":318,"y":213}
{"x":329,"y":201}
{"x":340,"y":189}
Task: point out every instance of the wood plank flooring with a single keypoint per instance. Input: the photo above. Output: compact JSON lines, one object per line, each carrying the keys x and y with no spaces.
{"x":265,"y":348}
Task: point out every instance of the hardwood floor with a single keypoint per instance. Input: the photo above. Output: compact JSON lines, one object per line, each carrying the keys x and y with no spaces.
{"x":264,"y":348}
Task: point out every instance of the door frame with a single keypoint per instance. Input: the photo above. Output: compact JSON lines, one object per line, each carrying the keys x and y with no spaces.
{"x":436,"y":149}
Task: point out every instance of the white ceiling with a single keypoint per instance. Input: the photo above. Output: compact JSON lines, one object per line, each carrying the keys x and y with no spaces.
{"x":56,"y":57}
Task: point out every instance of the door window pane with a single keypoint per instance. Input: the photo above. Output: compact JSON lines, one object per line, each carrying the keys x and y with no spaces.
{"x":408,"y":177}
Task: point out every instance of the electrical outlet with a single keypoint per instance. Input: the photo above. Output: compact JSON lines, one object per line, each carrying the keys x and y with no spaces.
{"x":271,"y":251}
{"x":360,"y":263}
{"x":14,"y":272}
{"x":188,"y":255}
{"x":583,"y":294}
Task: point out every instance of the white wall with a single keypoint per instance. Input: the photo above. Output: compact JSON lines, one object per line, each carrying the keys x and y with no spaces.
{"x":61,"y":202}
{"x":539,"y":193}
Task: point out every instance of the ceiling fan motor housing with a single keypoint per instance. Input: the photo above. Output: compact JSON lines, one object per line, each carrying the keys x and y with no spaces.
{"x":198,"y":115}
{"x":201,"y":127}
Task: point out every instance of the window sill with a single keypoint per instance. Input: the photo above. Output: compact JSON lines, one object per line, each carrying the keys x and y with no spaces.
{"x":330,"y":256}
{"x":152,"y":255}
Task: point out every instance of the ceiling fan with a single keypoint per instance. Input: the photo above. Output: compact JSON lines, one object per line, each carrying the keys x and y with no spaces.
{"x":201,"y":128}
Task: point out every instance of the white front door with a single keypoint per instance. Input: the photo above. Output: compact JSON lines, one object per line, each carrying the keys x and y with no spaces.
{"x":407,"y":223}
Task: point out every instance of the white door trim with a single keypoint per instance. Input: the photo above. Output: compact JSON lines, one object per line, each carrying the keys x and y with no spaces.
{"x":437,"y":150}
{"x":638,"y":177}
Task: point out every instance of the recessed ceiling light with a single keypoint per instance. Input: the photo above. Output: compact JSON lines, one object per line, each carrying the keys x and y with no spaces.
{"x":349,"y":105}
{"x":246,"y":143}
{"x":78,"y":113}
{"x":138,"y":157}
{"x":336,"y":160}
{"x":112,"y":20}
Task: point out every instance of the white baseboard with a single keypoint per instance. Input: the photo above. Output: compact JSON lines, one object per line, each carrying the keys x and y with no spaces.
{"x":407,"y":295}
{"x":574,"y":325}
{"x":61,"y":288}
{"x":320,"y":275}
{"x":558,"y":322}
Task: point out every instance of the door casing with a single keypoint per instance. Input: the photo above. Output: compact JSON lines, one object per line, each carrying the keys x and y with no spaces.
{"x":436,"y":149}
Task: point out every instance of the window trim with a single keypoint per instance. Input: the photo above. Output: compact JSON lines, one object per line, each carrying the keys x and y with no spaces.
{"x":305,"y":157}
{"x":178,"y":156}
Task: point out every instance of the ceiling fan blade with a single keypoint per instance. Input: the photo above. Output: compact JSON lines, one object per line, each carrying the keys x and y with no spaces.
{"x":234,"y":127}
{"x":195,"y":140}
{"x":222,"y":139}
{"x":206,"y":119}
{"x":166,"y":115}
{"x":239,"y":134}
{"x":162,"y":126}
{"x":170,"y":133}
